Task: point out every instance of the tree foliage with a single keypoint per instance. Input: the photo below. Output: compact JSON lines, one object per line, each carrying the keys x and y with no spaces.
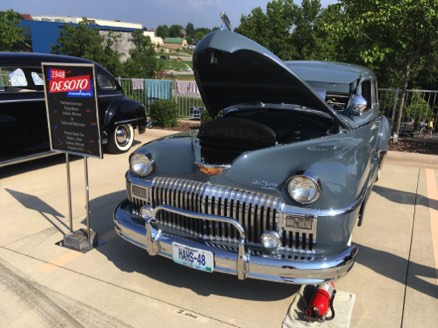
{"x":271,"y":29}
{"x":80,"y":40}
{"x":393,"y":37}
{"x":85,"y":42}
{"x":288,"y":30}
{"x":142,"y":62}
{"x":11,"y":35}
{"x":162,"y":31}
{"x":176,"y":31}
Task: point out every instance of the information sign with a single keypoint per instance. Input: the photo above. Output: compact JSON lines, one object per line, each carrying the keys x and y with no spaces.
{"x":72,"y":110}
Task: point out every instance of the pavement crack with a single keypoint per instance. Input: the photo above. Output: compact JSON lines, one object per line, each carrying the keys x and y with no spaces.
{"x":410,"y":248}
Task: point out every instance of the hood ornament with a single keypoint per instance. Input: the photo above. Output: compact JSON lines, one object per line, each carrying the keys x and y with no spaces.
{"x":226,"y":25}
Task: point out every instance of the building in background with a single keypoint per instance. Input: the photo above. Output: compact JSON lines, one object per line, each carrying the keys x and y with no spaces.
{"x":42,"y":32}
{"x":175,"y":43}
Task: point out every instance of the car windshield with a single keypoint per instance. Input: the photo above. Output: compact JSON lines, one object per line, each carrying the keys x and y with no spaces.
{"x":335,"y":94}
{"x":329,"y":87}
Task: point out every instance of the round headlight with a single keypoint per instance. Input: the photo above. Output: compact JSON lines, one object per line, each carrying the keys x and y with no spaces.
{"x":140,"y":164}
{"x":303,"y":189}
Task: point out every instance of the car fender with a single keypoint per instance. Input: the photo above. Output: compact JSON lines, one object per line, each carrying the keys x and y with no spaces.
{"x":384,"y":136}
{"x":124,"y":111}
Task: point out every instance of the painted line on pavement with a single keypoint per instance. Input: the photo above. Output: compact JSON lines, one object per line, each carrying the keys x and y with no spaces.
{"x":432,"y":193}
{"x":60,"y":261}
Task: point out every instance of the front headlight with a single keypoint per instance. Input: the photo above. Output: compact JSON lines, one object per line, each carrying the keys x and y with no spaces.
{"x":303,"y":189}
{"x":140,"y":164}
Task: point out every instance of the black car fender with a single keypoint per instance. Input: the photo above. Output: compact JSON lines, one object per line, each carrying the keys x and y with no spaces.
{"x":124,"y":111}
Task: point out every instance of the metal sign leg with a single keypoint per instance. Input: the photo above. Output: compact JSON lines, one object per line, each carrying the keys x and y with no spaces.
{"x":70,"y":216}
{"x":87,"y":200}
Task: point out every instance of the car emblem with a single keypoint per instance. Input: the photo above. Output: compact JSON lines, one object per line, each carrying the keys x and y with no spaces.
{"x":264,"y":184}
{"x":212,"y":169}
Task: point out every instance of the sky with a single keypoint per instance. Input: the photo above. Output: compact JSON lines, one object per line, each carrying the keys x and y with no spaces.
{"x":149,"y":13}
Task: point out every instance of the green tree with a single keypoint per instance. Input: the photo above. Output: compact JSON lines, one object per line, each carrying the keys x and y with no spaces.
{"x":273,"y":28}
{"x":308,"y":39}
{"x":200,"y":33}
{"x":418,"y":107}
{"x":111,"y":57}
{"x":162,"y":31}
{"x":190,"y":33}
{"x":143,"y":62}
{"x":176,"y":31}
{"x":11,"y":35}
{"x":85,"y":42}
{"x":80,"y":40}
{"x":288,"y":30}
{"x":392,"y":36}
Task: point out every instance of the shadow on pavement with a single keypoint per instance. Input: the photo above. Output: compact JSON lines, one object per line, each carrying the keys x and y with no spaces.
{"x":130,"y":258}
{"x":389,"y":265}
{"x":35,"y":203}
{"x":403,"y":197}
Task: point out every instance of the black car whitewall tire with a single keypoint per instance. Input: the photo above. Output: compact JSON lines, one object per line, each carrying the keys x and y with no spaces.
{"x":121,"y":139}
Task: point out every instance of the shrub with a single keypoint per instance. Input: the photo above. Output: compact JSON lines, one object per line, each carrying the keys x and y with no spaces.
{"x":205,"y":116}
{"x":164,"y":113}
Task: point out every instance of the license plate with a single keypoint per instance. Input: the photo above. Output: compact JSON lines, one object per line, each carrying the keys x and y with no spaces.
{"x":193,"y":257}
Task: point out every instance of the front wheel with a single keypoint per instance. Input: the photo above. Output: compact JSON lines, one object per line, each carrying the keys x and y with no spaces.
{"x":121,"y":139}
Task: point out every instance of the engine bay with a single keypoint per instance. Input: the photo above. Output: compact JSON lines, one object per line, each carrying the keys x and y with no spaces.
{"x":225,"y":138}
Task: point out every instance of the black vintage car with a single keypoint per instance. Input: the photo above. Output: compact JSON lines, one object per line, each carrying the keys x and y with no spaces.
{"x":23,"y":120}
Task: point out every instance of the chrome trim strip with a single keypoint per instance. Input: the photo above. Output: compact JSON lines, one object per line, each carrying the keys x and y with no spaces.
{"x":21,"y":100}
{"x":126,"y":121}
{"x":27,"y":158}
{"x":115,"y":95}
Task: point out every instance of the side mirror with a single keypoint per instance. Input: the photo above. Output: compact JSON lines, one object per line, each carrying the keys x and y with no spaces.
{"x":358,"y":105}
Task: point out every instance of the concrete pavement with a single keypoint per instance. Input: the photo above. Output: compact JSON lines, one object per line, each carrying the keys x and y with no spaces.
{"x":119,"y":285}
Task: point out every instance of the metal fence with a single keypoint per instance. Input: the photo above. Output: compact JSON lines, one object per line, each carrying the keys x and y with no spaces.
{"x":419,"y":104}
{"x":184,"y":93}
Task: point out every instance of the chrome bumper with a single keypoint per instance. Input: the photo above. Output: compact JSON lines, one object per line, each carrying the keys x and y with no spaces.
{"x":243,"y":264}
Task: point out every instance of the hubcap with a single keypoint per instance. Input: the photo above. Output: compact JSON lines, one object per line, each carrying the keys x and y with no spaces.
{"x":122,"y":136}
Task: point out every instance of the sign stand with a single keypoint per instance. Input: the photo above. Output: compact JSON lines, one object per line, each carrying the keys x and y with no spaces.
{"x":73,"y":121}
{"x":70,"y":217}
{"x":81,"y":240}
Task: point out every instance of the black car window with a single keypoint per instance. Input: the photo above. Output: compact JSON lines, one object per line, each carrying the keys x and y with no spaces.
{"x":104,"y":83}
{"x":12,"y":77}
{"x":20,"y":79}
{"x":37,"y":78}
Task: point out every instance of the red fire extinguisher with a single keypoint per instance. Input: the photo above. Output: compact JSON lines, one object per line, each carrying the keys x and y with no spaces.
{"x":320,"y":303}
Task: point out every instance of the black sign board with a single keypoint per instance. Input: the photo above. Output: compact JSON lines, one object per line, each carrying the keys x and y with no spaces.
{"x":72,"y":111}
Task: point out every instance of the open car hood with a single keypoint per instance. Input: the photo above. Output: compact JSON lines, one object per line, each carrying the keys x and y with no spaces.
{"x":231,"y":69}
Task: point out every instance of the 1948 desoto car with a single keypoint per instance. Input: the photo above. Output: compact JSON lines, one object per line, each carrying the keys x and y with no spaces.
{"x":271,"y":188}
{"x":23,"y":120}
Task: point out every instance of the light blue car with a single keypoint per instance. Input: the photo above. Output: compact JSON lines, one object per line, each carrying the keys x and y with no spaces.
{"x":273,"y":187}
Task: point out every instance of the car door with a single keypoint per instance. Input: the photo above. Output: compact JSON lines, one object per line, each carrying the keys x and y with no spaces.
{"x":369,"y":121}
{"x":23,"y":120}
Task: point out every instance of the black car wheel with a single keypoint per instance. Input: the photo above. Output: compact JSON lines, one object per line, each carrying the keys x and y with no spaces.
{"x":121,"y":139}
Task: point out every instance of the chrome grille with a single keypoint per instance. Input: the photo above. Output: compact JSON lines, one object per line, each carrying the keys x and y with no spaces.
{"x":256,"y":212}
